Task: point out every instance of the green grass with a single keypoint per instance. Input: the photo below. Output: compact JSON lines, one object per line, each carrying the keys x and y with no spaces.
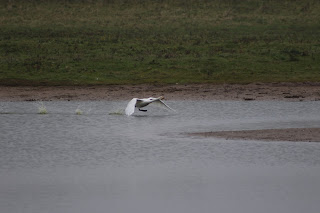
{"x":161,"y":41}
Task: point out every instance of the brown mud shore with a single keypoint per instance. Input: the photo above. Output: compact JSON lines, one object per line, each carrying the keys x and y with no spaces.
{"x":293,"y":134}
{"x":247,"y":92}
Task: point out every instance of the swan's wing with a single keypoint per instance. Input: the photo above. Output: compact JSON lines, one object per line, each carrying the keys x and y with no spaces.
{"x":161,"y":104}
{"x":131,"y":106}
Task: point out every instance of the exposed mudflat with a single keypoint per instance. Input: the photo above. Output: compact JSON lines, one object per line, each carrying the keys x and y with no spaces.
{"x":247,"y":92}
{"x":293,"y":134}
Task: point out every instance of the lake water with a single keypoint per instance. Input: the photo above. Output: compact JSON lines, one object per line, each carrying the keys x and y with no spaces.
{"x":101,"y":161}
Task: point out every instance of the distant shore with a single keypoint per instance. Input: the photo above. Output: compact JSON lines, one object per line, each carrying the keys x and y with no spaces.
{"x":246,"y":92}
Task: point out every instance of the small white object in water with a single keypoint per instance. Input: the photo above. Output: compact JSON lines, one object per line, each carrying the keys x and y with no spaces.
{"x":117,"y":112}
{"x":79,"y":111}
{"x":140,"y":103}
{"x":42,"y":109}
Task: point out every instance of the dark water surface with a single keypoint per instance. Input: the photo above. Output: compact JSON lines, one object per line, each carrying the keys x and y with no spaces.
{"x":101,"y":161}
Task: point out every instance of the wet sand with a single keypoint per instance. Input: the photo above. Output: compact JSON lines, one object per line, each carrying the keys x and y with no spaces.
{"x":248,"y":92}
{"x":293,"y":134}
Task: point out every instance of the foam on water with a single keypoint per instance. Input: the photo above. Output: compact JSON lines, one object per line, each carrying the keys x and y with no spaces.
{"x":79,"y":111}
{"x":82,"y":109}
{"x":42,"y":108}
{"x":117,"y":112}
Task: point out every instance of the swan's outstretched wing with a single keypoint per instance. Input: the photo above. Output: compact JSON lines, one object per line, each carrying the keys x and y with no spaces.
{"x":161,"y":104}
{"x":131,"y":106}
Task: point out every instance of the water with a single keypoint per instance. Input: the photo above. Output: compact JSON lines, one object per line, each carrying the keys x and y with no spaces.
{"x":101,"y":161}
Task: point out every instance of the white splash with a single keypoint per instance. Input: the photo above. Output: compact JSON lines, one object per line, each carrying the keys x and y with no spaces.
{"x":82,"y":109}
{"x":117,"y":112}
{"x":42,"y":109}
{"x":79,"y":111}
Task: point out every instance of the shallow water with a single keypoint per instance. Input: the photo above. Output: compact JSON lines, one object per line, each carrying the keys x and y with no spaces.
{"x":101,"y":161}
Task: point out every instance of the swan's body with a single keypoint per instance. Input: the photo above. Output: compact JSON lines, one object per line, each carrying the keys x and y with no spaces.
{"x":140,"y":103}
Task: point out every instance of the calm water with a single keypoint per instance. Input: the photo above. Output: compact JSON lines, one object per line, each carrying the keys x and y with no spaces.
{"x":103,"y":162}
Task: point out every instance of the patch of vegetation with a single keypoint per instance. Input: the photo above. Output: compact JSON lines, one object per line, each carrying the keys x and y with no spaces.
{"x":164,"y":41}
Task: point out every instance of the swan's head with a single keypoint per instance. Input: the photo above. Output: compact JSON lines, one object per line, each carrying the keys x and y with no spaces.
{"x":151,"y":99}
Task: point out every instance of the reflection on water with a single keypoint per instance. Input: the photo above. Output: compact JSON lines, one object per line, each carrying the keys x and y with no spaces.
{"x":102,"y":161}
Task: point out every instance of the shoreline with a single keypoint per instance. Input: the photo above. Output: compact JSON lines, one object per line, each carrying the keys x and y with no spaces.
{"x":307,"y":91}
{"x":233,"y":92}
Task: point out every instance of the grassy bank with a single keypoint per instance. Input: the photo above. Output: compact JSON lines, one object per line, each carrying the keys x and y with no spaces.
{"x":193,"y":41}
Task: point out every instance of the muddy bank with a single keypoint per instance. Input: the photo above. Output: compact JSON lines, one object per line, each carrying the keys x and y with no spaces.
{"x":293,"y":134}
{"x":248,"y":92}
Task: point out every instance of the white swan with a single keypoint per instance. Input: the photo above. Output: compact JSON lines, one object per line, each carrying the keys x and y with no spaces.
{"x":140,"y":103}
